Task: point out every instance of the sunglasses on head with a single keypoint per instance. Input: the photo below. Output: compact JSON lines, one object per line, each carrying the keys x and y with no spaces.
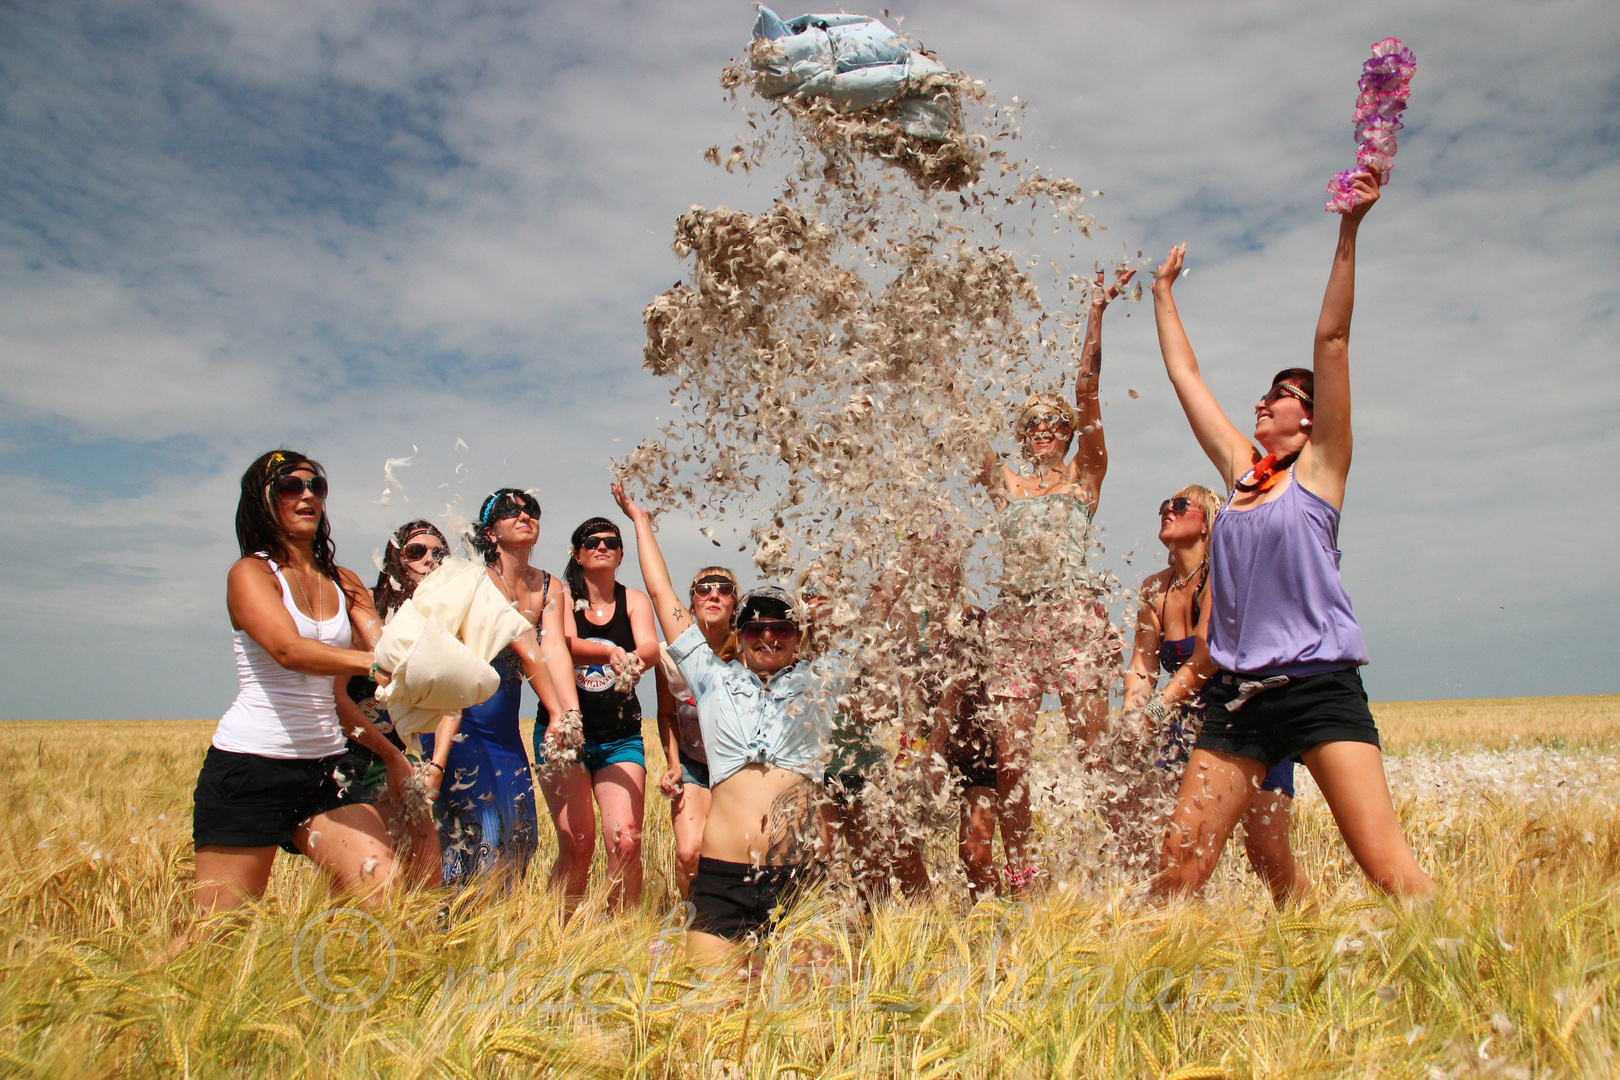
{"x":293,"y":487}
{"x":1282,"y":390}
{"x":714,"y":588}
{"x":416,"y":552}
{"x":591,"y":543}
{"x":1052,"y":421}
{"x":780,"y":629}
{"x":510,"y":506}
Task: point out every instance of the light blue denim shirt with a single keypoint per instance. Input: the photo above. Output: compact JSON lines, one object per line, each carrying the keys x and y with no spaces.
{"x":744,"y":720}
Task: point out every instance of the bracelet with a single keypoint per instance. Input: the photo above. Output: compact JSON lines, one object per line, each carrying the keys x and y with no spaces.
{"x":1157,"y":709}
{"x":435,"y":765}
{"x":371,"y":672}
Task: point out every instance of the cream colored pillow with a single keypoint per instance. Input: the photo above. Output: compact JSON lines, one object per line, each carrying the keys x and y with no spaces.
{"x":439,"y":675}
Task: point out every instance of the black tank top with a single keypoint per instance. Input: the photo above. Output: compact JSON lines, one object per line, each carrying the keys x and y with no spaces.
{"x":607,"y":713}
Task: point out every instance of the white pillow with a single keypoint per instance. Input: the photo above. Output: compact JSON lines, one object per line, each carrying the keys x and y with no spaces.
{"x":439,"y":675}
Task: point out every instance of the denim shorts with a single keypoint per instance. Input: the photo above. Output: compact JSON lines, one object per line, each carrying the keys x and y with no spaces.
{"x":694,"y":771}
{"x":596,"y":756}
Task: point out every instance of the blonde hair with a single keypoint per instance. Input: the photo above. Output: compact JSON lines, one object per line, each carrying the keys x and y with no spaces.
{"x":1202,"y":497}
{"x":1043,"y":401}
{"x":728,"y":649}
{"x":711,"y":571}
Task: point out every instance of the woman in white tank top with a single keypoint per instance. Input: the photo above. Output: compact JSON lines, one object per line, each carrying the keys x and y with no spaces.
{"x":274,"y":775}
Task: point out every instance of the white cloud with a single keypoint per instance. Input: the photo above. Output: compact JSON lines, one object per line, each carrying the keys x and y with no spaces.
{"x":354,"y":227}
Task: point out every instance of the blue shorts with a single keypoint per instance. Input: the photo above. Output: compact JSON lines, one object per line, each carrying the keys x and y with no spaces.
{"x":1280,"y":778}
{"x":694,"y":771}
{"x":596,"y":756}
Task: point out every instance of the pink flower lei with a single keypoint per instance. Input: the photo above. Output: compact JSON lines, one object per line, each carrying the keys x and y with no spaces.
{"x":1385,"y":83}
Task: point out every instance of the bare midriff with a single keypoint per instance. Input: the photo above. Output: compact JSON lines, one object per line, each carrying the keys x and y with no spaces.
{"x":738,"y":823}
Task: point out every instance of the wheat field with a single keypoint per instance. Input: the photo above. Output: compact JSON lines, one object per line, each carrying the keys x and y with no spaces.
{"x":1513,"y":971}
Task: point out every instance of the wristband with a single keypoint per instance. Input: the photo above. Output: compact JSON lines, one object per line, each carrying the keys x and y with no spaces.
{"x":435,"y":765}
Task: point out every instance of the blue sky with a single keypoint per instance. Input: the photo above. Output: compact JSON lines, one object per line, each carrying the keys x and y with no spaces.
{"x":357,"y":227}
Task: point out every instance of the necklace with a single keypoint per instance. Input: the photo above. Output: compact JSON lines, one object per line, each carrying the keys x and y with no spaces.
{"x":297,"y":580}
{"x":1176,"y":583}
{"x":314,"y":609}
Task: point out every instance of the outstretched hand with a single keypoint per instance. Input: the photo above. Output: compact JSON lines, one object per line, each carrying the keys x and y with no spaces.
{"x":631,"y":509}
{"x":1100,"y":296}
{"x":1165,"y":276}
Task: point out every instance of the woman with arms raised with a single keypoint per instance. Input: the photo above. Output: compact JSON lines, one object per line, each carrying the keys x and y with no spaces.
{"x":1049,"y":630}
{"x":767,"y":746}
{"x":277,"y":772}
{"x":1281,"y":629}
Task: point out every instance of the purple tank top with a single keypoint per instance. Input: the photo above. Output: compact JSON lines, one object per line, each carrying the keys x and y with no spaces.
{"x":1277,"y":606}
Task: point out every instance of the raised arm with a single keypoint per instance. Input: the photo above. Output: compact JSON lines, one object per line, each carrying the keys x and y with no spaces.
{"x":1093,"y":456}
{"x":988,"y":469}
{"x":1327,"y":462}
{"x":673,"y":618}
{"x":1227,"y":447}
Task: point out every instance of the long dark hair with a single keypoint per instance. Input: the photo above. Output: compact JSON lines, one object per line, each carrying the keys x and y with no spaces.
{"x":575,"y":574}
{"x":394,"y":585}
{"x":258,"y":525}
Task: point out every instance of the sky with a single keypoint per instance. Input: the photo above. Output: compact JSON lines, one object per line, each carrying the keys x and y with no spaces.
{"x":357,"y":228}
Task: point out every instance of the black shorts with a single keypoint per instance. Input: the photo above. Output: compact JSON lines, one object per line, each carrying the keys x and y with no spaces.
{"x":971,"y":774}
{"x":733,"y":900}
{"x":1282,"y":723}
{"x":244,"y":800}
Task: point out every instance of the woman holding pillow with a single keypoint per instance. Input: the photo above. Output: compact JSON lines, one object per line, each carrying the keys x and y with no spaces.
{"x":485,"y":807}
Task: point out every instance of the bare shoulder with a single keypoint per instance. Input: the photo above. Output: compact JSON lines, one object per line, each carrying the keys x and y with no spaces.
{"x":1153,"y":585}
{"x":350,"y":580}
{"x":250,"y":569}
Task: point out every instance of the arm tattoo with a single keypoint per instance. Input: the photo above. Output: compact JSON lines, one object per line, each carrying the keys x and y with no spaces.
{"x":790,"y":828}
{"x":1093,"y":365}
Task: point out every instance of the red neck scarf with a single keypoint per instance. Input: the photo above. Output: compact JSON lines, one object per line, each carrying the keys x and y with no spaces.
{"x":1266,"y":472}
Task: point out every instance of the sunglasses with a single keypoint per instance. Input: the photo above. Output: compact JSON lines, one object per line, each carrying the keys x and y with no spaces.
{"x":1282,"y":390}
{"x":510,"y":506}
{"x":591,"y":543}
{"x":714,"y":588}
{"x":1052,"y":422}
{"x":293,"y":487}
{"x":780,"y":629}
{"x":416,"y":552}
{"x":1177,"y":505}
